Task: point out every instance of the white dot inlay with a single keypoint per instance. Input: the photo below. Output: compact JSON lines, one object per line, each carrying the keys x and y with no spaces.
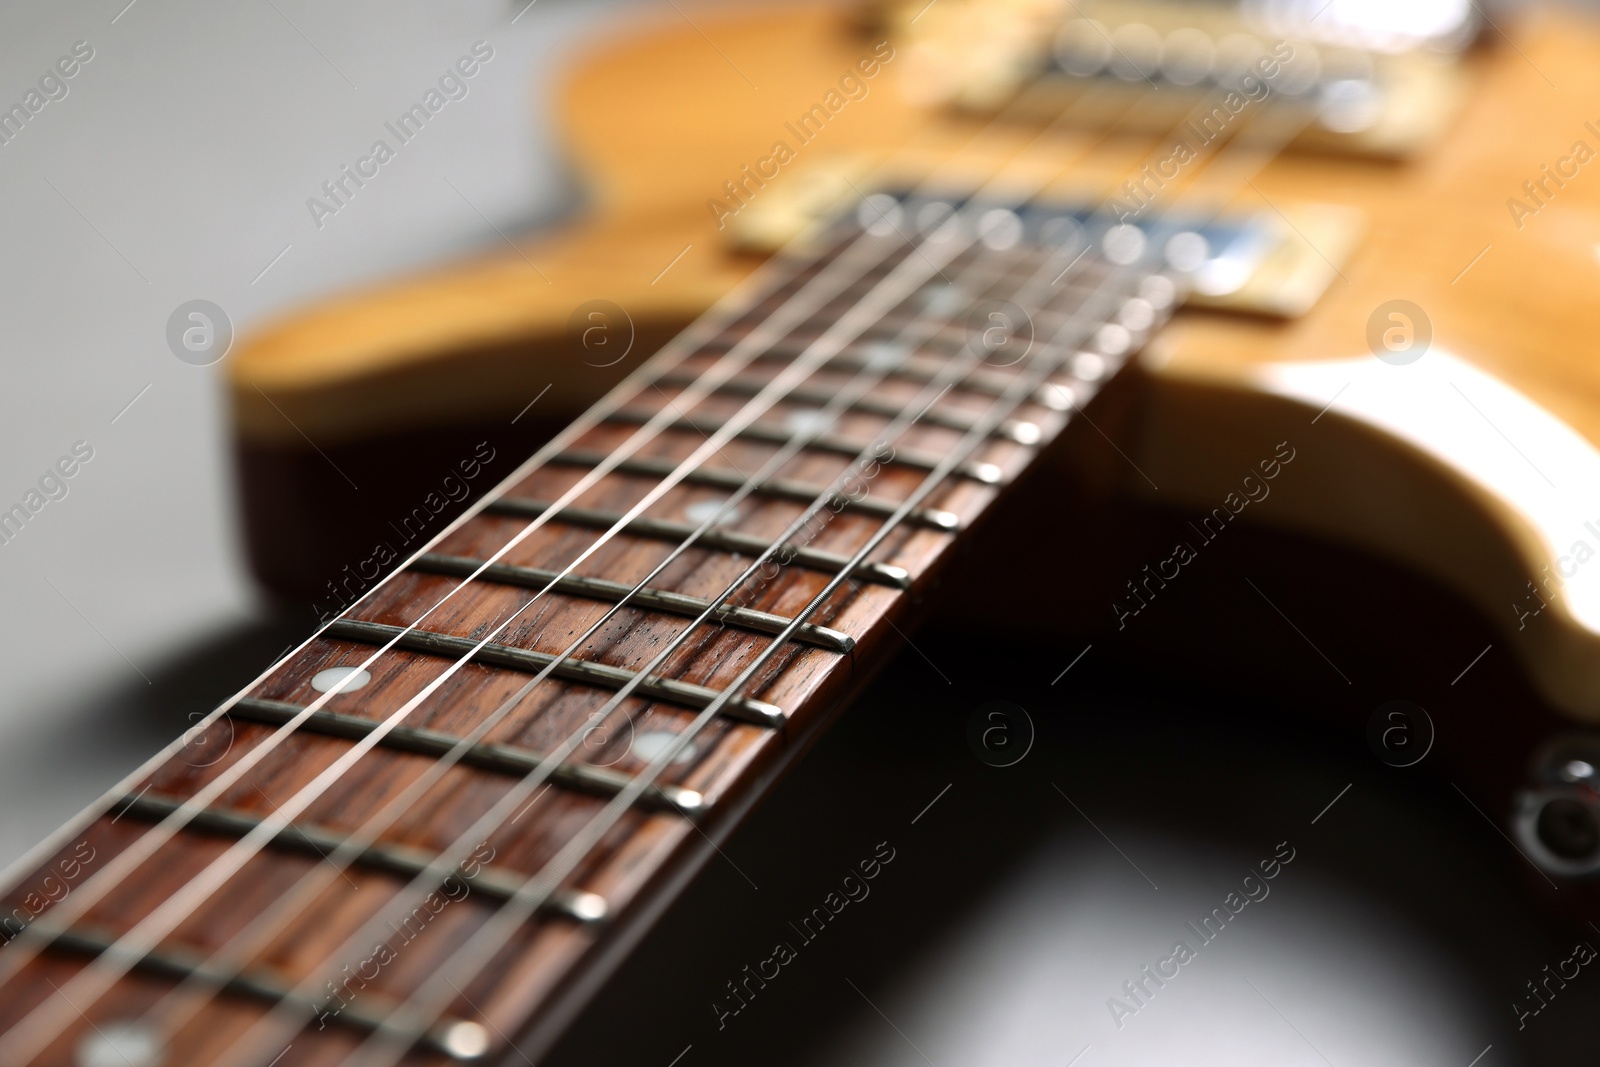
{"x":1159,"y":290}
{"x":1062,"y":233}
{"x":880,"y":214}
{"x":340,"y":679}
{"x":1089,"y":366}
{"x":1188,"y":251}
{"x":706,"y":510}
{"x":120,"y":1044}
{"x":1113,"y":340}
{"x":938,"y":220}
{"x":884,"y":355}
{"x":1137,"y":315}
{"x":647,"y":746}
{"x":808,"y":421}
{"x":466,"y":1040}
{"x":1124,"y":244}
{"x":1000,"y":228}
{"x":943,"y":300}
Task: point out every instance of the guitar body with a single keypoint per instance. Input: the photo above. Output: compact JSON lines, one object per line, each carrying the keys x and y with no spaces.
{"x":430,"y":366}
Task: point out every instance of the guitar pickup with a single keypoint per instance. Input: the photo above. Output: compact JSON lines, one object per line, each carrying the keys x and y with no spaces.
{"x":1276,"y":262}
{"x":1100,"y":62}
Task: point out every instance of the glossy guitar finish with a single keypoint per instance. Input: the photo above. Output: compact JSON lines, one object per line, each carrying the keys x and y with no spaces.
{"x":465,"y":348}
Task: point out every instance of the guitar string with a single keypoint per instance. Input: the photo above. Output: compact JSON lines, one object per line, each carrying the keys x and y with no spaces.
{"x":511,"y":802}
{"x":515,"y":912}
{"x":234,"y":955}
{"x":751,"y":345}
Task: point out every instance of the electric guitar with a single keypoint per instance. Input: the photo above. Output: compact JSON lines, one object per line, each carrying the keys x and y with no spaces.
{"x":1312,"y":296}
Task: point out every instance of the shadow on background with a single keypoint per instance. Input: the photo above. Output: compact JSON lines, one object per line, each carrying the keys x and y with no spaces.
{"x":96,"y":739}
{"x":1401,"y":932}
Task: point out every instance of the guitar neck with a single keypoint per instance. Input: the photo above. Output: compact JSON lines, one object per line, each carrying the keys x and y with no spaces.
{"x":441,"y":820}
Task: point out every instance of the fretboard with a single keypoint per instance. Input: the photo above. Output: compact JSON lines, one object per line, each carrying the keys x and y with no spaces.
{"x":454,"y":847}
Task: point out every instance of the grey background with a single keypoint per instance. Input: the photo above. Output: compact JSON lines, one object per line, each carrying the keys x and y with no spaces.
{"x":177,"y":167}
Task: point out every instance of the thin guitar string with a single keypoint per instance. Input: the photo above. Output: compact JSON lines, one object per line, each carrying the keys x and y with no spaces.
{"x":706,"y":385}
{"x":243,"y":946}
{"x":556,"y":757}
{"x":538,"y":888}
{"x":647,"y":671}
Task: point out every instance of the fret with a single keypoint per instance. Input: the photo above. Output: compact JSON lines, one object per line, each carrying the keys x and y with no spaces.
{"x":499,"y":759}
{"x":613,"y":592}
{"x":987,"y":473}
{"x":1017,"y":431}
{"x":320,"y":841}
{"x":586,"y":672}
{"x":450,"y":1035}
{"x":716,"y":539}
{"x":918,"y":368}
{"x":783,"y":489}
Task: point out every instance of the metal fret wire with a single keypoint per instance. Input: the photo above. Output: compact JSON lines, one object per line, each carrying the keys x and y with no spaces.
{"x":509,"y":803}
{"x":541,"y":886}
{"x":35,"y":936}
{"x":397,"y":807}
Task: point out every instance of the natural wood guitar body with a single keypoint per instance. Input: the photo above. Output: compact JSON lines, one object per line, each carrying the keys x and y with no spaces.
{"x":461,"y":350}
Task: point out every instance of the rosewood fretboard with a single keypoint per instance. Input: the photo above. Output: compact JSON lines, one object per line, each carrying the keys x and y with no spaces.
{"x":110,"y":917}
